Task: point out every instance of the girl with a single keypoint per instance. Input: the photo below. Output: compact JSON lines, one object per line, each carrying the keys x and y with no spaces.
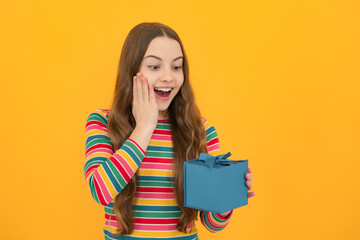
{"x":135,"y":151}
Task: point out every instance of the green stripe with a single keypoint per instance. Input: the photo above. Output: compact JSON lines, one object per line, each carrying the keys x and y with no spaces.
{"x":155,"y":184}
{"x":162,"y":126}
{"x":110,"y":176}
{"x":207,"y":222}
{"x":98,"y":136}
{"x":118,"y":176}
{"x":94,"y":161}
{"x":134,"y":157}
{"x":158,"y":214}
{"x":217,"y":218}
{"x":135,"y":148}
{"x":98,"y":141}
{"x":211,"y":136}
{"x":96,"y":117}
{"x":159,"y":154}
{"x":108,"y":210}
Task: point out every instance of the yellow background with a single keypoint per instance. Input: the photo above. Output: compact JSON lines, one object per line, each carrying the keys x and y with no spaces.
{"x":278,"y":79}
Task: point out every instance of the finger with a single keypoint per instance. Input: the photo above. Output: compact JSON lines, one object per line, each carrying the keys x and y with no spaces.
{"x":135,"y":96}
{"x":249,"y":184}
{"x":251,"y":194}
{"x":145,"y":89}
{"x":250,"y":170}
{"x":248,"y":176}
{"x":139,"y":88}
{"x":151,"y":94}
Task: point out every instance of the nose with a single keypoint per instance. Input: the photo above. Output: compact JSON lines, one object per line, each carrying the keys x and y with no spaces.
{"x":167,"y":75}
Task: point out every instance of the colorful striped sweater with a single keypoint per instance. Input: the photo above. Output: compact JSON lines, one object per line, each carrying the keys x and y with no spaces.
{"x":156,"y":212}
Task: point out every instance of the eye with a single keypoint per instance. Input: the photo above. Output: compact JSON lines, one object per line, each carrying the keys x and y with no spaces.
{"x":153,"y":67}
{"x":177,"y":67}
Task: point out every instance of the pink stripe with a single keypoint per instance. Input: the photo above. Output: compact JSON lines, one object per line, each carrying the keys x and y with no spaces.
{"x":213,"y":147}
{"x":161,"y":137}
{"x":216,"y":225}
{"x":156,"y":166}
{"x":158,"y":227}
{"x":90,"y":170}
{"x":94,"y":127}
{"x":206,"y":225}
{"x":103,"y":187}
{"x":125,"y":164}
{"x":190,"y":225}
{"x":101,"y":150}
{"x":113,"y":224}
{"x":155,"y":195}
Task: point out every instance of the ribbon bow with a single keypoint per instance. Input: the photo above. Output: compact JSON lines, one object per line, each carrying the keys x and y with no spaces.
{"x":210,"y":160}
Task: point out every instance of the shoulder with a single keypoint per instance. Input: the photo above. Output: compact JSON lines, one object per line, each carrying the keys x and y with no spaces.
{"x":212,"y":139}
{"x":99,"y":116}
{"x":208,"y":126}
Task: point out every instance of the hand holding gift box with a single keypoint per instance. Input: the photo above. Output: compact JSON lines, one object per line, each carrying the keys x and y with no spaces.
{"x":213,"y":183}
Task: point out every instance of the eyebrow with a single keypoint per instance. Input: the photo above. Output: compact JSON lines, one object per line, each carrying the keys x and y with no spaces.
{"x":161,"y":59}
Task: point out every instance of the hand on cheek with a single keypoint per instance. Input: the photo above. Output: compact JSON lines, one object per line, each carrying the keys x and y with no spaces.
{"x":144,"y":107}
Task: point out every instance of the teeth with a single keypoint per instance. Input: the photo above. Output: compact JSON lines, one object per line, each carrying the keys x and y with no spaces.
{"x":163,"y":89}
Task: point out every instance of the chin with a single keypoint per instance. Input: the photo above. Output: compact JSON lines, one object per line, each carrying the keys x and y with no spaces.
{"x":163,"y":108}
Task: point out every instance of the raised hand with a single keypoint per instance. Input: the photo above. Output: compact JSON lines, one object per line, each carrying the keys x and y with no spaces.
{"x":144,"y":107}
{"x":145,"y":111}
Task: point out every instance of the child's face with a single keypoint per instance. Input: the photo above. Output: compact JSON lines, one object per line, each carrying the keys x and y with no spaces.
{"x":162,"y":67}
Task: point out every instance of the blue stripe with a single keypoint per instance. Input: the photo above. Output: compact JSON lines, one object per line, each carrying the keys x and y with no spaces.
{"x":156,"y":178}
{"x":96,"y":117}
{"x":160,"y":148}
{"x":210,"y":130}
{"x":94,"y":161}
{"x":111,"y":176}
{"x":133,"y":156}
{"x":109,"y":236}
{"x":110,"y":205}
{"x":99,"y":136}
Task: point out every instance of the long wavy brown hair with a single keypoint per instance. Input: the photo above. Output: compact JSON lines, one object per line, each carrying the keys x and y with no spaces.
{"x":188,"y":134}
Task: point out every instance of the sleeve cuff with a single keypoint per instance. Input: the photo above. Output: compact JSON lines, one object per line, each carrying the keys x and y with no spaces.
{"x":142,"y":150}
{"x":225,"y":218}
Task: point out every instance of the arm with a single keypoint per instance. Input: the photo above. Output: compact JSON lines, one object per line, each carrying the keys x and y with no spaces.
{"x":108,"y":172}
{"x":213,"y":221}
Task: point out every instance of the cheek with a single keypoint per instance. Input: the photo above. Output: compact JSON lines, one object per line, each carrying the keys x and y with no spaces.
{"x":181,"y":82}
{"x":150,"y":79}
{"x":148,"y":75}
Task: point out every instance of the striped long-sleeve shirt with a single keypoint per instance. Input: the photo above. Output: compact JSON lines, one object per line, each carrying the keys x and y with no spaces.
{"x":108,"y":170}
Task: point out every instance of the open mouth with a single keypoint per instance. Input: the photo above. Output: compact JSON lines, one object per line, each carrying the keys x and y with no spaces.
{"x":163,"y":92}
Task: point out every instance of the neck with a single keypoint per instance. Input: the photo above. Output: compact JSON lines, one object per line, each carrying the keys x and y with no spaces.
{"x":163,"y":115}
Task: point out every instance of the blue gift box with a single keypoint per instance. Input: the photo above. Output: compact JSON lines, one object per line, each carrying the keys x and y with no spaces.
{"x":212,"y":183}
